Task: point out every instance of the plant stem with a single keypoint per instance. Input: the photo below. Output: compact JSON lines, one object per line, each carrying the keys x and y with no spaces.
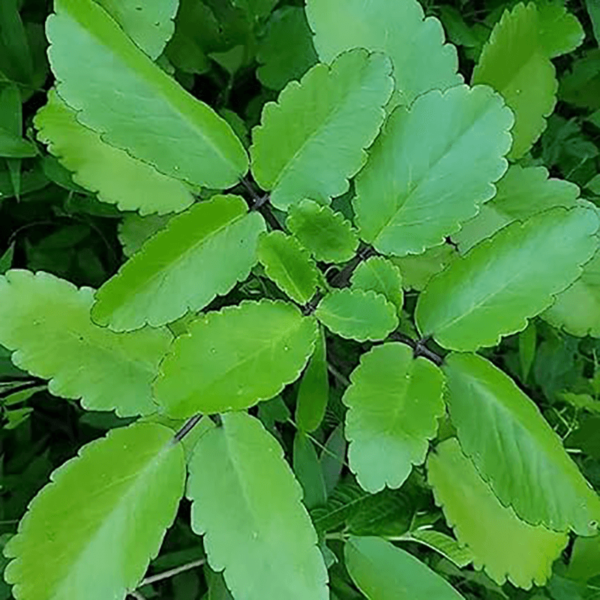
{"x":189,"y":425}
{"x":137,"y":595}
{"x":172,"y":572}
{"x":339,"y":376}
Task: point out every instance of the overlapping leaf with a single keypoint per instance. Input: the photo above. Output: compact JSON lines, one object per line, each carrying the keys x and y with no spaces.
{"x":200,"y":254}
{"x":433,"y":166}
{"x":502,"y":544}
{"x":151,"y":117}
{"x":561,"y":32}
{"x":314,"y":137}
{"x":235,"y":358}
{"x":12,"y":143}
{"x":134,"y":230}
{"x":443,"y":544}
{"x":46,"y":321}
{"x":394,"y":405}
{"x":507,"y":279}
{"x":499,"y":427}
{"x":381,"y":276}
{"x":421,"y":59}
{"x":92,"y":531}
{"x":418,"y":269}
{"x":247,"y":504}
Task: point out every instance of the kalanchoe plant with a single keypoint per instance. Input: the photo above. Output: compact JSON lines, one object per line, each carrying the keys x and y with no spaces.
{"x":374,"y":171}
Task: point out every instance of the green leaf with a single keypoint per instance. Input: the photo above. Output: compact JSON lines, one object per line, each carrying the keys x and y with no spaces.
{"x":46,"y":321}
{"x":113,"y":174}
{"x":421,"y":59}
{"x":383,"y":572}
{"x":307,"y":469}
{"x":214,"y":368}
{"x":313,"y":392}
{"x":418,"y":269}
{"x":582,"y":401}
{"x":16,"y":59}
{"x":433,"y":166}
{"x":152,"y":117}
{"x":593,"y":10}
{"x":560,"y":31}
{"x":12,"y":144}
{"x":286,"y":51}
{"x":289,"y":265}
{"x":527,"y":349}
{"x":505,"y":546}
{"x":6,"y":260}
{"x":247,"y":504}
{"x":507,"y":279}
{"x":394,"y":405}
{"x":585,"y":559}
{"x":357,"y":315}
{"x":445,"y":545}
{"x":201,"y":254}
{"x":381,"y":276}
{"x":521,"y":193}
{"x":498,"y":427}
{"x":313,"y":139}
{"x":135,"y":230}
{"x":323,"y":231}
{"x":515,"y":63}
{"x":92,"y":531}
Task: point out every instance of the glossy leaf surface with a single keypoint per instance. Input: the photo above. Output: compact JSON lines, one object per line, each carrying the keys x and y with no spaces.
{"x":381,"y":276}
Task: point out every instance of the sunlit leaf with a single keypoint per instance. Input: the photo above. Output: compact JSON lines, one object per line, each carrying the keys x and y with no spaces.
{"x":561,"y":32}
{"x":443,"y":544}
{"x":381,"y":276}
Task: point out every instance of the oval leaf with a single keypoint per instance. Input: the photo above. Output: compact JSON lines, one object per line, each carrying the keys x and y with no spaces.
{"x":214,"y":368}
{"x":498,"y":427}
{"x":432,"y":167}
{"x":394,"y":405}
{"x":92,"y":531}
{"x":507,"y":279}
{"x":381,"y":276}
{"x":134,"y":230}
{"x":247,"y":504}
{"x":46,"y":321}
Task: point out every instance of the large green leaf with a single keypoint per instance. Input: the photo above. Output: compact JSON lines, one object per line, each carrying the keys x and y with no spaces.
{"x":152,"y":117}
{"x":383,"y":572}
{"x":507,"y":279}
{"x":421,"y":59}
{"x":201,"y":253}
{"x":515,"y":62}
{"x":115,"y":175}
{"x":383,"y":277}
{"x":505,"y":546}
{"x":433,"y":166}
{"x":92,"y":531}
{"x":499,"y":427}
{"x":313,"y":139}
{"x":235,"y":358}
{"x":357,"y":315}
{"x":394,"y":405}
{"x":46,"y":321}
{"x":247,"y":504}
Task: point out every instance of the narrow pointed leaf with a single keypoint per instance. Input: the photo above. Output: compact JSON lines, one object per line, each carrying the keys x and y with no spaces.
{"x":433,"y":166}
{"x":201,"y":254}
{"x":357,"y":315}
{"x":443,"y":544}
{"x":507,"y":279}
{"x":113,"y":174}
{"x":152,"y":117}
{"x":383,"y":572}
{"x":515,"y":63}
{"x":247,"y":504}
{"x":93,"y":530}
{"x":313,"y":139}
{"x":502,"y":544}
{"x":214,"y":368}
{"x":323,"y":231}
{"x":308,"y":471}
{"x":498,"y":427}
{"x":46,"y":321}
{"x":421,"y":59}
{"x":381,"y":276}
{"x":394,"y":405}
{"x":289,"y":265}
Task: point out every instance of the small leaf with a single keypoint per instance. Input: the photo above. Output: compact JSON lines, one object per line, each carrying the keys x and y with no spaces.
{"x":585,"y":559}
{"x":152,"y":117}
{"x":394,"y":405}
{"x":323,"y":231}
{"x":432,"y":167}
{"x":12,"y":144}
{"x":357,"y":315}
{"x":46,"y":321}
{"x":135,"y":230}
{"x":445,"y":545}
{"x":593,"y":10}
{"x":582,"y":401}
{"x":561,"y":32}
{"x":418,"y":269}
{"x":505,"y":546}
{"x":507,"y":279}
{"x":6,"y":260}
{"x":421,"y":59}
{"x":515,"y":62}
{"x":247,"y":504}
{"x":381,"y":276}
{"x":214,"y":367}
{"x":383,"y":572}
{"x":313,"y":139}
{"x":92,"y":531}
{"x":307,"y":469}
{"x":498,"y":427}
{"x":201,"y":254}
{"x":289,"y":265}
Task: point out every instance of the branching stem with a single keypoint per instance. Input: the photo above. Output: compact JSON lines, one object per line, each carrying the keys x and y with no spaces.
{"x":172,"y":572}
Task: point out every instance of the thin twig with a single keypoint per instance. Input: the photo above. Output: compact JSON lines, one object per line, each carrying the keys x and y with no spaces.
{"x":343,"y":277}
{"x":339,"y":376}
{"x":419,"y":347}
{"x":189,"y":425}
{"x":137,"y":595}
{"x":172,"y":572}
